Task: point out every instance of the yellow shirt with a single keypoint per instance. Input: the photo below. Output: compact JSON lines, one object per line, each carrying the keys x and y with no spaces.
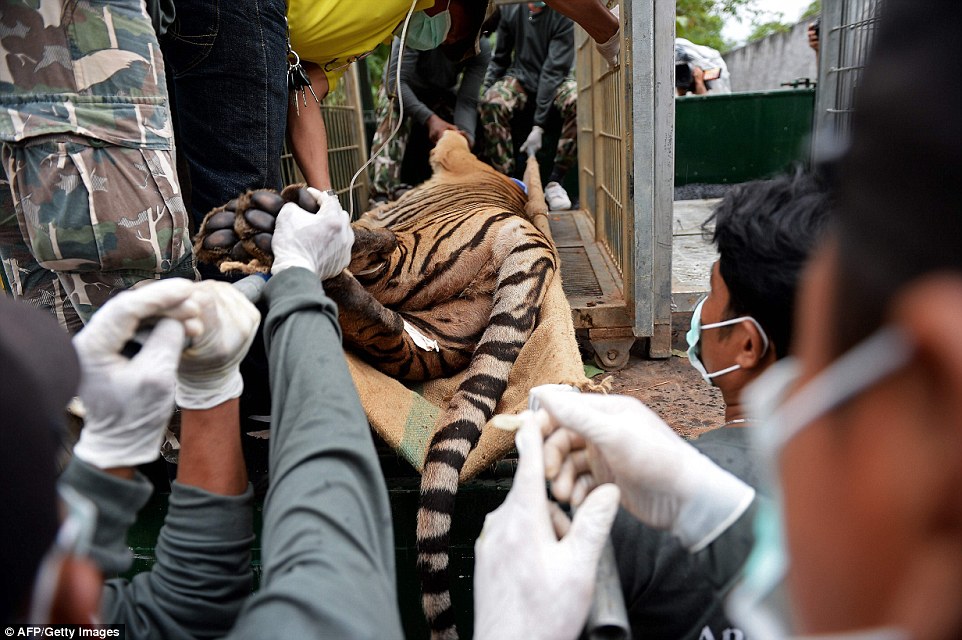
{"x":333,"y":33}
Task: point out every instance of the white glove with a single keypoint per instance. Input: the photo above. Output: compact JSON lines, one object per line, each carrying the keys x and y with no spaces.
{"x":129,"y":402}
{"x":665,"y":482}
{"x":320,"y":242}
{"x":533,"y":142}
{"x":528,"y":583}
{"x":209,"y":372}
{"x":609,"y":50}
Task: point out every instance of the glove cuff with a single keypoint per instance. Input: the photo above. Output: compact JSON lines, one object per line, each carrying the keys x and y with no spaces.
{"x":609,"y":50}
{"x":108,"y":452}
{"x":720,"y":500}
{"x":205,"y":396}
{"x":290,"y":261}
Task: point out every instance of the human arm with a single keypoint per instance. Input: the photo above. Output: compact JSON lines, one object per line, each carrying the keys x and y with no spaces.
{"x":592,"y":15}
{"x":698,"y":86}
{"x":469,"y":91}
{"x":504,"y":48}
{"x":413,"y":106}
{"x":308,"y":133}
{"x":666,"y":483}
{"x":530,"y":582}
{"x":557,"y":64}
{"x":327,"y":554}
{"x":202,"y":574}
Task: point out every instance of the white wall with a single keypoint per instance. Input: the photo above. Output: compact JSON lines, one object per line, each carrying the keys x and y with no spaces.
{"x":764,"y":64}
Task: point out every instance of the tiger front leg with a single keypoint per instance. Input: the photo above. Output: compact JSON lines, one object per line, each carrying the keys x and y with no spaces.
{"x":383,"y":338}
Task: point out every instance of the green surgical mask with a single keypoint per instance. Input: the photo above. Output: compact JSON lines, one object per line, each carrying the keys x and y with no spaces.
{"x":428,"y":32}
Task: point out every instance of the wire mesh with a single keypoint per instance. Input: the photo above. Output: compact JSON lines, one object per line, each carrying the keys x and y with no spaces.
{"x":602,"y":150}
{"x":851,"y":37}
{"x":346,"y":150}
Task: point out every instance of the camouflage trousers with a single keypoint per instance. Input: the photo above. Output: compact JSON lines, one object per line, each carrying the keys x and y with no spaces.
{"x":386,"y":168}
{"x":81,"y":220}
{"x":507,"y":96}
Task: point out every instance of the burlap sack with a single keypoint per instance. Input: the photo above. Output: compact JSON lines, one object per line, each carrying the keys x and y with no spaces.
{"x":406,"y":416}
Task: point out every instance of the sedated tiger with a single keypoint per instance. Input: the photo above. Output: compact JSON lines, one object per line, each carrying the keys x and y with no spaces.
{"x":454,"y":261}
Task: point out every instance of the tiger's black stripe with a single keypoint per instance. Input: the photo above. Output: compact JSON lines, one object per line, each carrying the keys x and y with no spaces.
{"x":470,"y":272}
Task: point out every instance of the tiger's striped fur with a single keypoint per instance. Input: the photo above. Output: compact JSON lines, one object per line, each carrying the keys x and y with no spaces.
{"x":457,"y":259}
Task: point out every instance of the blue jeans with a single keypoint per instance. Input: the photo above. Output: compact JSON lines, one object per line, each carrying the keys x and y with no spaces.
{"x":227,"y":61}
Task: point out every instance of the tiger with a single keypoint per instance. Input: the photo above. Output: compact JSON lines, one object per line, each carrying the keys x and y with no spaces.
{"x":449,"y":277}
{"x":457,"y":260}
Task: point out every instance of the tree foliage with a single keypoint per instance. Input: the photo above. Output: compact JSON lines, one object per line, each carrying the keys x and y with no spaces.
{"x":701,"y":21}
{"x":764,"y":29}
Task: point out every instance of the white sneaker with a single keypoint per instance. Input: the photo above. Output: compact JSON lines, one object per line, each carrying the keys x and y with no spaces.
{"x":557,"y":197}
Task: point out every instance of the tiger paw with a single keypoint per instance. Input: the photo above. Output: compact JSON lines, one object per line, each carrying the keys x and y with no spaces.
{"x":237,"y":236}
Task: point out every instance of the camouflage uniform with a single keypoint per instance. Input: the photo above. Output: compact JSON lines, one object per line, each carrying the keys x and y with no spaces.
{"x":507,"y":96}
{"x":386,"y":168}
{"x":91,"y":201}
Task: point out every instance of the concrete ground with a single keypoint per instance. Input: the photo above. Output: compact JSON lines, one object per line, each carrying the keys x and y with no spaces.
{"x":672,"y":388}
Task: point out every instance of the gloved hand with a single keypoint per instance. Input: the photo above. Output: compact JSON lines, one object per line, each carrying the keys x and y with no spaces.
{"x":533,"y":143}
{"x":528,"y":583}
{"x":320,"y":242}
{"x":612,"y":48}
{"x":665,"y":482}
{"x":130,"y":401}
{"x":209,"y":372}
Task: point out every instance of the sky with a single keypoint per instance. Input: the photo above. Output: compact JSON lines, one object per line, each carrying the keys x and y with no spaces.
{"x":791,"y":11}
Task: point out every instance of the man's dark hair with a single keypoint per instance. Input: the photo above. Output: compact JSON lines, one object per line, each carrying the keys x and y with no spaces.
{"x":764,"y":232}
{"x":900,"y":183}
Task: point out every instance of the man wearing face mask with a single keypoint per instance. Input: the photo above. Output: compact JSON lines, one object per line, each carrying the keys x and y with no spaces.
{"x":862,"y":430}
{"x":764,"y":232}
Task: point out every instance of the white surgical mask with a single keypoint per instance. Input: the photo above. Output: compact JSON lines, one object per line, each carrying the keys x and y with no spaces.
{"x":760,"y":603}
{"x":694,"y":338}
{"x":428,"y":32}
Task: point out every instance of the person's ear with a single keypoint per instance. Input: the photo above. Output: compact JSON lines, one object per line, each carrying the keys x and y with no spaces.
{"x":929,"y":312}
{"x":78,"y":593}
{"x":752,"y":352}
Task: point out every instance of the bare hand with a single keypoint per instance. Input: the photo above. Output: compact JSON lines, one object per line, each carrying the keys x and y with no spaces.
{"x":437,"y":126}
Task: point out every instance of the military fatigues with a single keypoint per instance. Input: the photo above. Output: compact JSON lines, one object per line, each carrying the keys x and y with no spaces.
{"x":386,"y":168}
{"x":532,"y":60}
{"x":431,"y":84}
{"x":91,"y":201}
{"x":504,"y":98}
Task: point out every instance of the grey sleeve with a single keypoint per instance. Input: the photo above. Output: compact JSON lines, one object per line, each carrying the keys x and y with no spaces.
{"x":561,"y":55}
{"x":327,"y":539}
{"x":390,"y":74}
{"x":503,"y":49}
{"x":202,"y":575}
{"x":412,"y":104}
{"x":466,"y":109}
{"x":117,"y":502}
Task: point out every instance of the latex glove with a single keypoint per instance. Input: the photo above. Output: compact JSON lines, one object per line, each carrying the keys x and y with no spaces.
{"x":533,"y":142}
{"x":209,"y":372}
{"x":320,"y":242}
{"x":130,"y":401}
{"x":528,"y":583}
{"x":612,"y":48}
{"x":665,"y":482}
